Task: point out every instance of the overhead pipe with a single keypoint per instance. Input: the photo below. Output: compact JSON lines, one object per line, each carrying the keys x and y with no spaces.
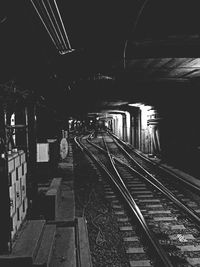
{"x":134,"y":30}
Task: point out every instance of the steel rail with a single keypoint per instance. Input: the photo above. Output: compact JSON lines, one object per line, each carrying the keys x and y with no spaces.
{"x":193,"y":215}
{"x":158,"y":165}
{"x":163,"y":258}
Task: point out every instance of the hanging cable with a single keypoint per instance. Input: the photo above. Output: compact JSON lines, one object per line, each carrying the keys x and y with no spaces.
{"x":65,"y":34}
{"x":56,"y":23}
{"x":45,"y":25}
{"x":51,"y":23}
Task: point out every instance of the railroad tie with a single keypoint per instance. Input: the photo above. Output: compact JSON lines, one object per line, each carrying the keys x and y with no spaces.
{"x":142,"y":263}
{"x":126,"y":228}
{"x":135,"y":250}
{"x":182,"y":237}
{"x":193,"y":261}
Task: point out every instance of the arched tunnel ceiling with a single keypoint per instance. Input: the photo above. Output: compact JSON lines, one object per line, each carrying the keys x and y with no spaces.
{"x":162,"y":52}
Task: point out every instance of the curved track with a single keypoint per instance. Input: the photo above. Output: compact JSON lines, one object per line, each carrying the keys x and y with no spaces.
{"x":171,"y":227}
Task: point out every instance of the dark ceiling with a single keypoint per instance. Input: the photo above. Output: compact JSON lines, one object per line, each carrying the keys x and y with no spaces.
{"x":159,"y":39}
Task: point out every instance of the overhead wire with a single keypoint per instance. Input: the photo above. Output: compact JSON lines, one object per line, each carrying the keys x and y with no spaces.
{"x":56,"y":22}
{"x":45,"y":25}
{"x":62,"y":25}
{"x":48,"y":30}
{"x":57,"y":33}
{"x":52,"y":24}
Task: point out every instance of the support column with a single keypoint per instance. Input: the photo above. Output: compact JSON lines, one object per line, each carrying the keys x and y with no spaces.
{"x":20,"y":130}
{"x":138,"y":130}
{"x":5,"y":222}
{"x":32,"y":137}
{"x":31,"y":154}
{"x":155,"y":148}
{"x":132,"y":139}
{"x":124,"y":127}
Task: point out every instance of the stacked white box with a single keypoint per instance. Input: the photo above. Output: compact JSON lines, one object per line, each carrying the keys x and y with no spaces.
{"x":17,"y":168}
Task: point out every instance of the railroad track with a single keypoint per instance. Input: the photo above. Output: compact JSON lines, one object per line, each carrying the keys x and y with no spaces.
{"x":171,"y":227}
{"x":184,"y":190}
{"x":138,"y":251}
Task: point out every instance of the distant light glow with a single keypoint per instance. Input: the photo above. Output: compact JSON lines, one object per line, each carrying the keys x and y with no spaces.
{"x":100,"y":76}
{"x":145,"y":107}
{"x":12,"y":122}
{"x":135,"y":104}
{"x":12,"y":119}
{"x":194,"y":63}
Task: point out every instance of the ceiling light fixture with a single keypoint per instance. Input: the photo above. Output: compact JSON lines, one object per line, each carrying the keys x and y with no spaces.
{"x":50,"y":16}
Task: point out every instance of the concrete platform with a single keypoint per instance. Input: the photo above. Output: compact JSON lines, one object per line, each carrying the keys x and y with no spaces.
{"x":66,"y":209}
{"x":30,"y":245}
{"x":64,"y":253}
{"x":58,"y":241}
{"x":53,"y":199}
{"x":44,"y":254}
{"x":67,"y":253}
{"x":84,"y":249}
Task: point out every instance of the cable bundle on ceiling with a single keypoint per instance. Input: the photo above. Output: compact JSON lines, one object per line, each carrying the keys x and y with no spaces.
{"x":49,"y":14}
